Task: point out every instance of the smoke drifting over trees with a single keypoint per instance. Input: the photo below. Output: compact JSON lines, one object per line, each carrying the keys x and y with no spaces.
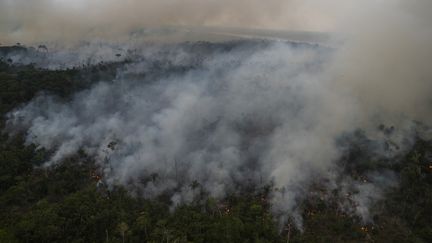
{"x":243,"y":113}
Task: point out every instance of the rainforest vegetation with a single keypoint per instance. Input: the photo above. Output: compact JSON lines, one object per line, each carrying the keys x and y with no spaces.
{"x":66,"y":202}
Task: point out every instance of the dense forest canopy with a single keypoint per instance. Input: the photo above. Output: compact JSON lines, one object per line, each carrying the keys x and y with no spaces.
{"x":72,"y":200}
{"x":215,"y":121}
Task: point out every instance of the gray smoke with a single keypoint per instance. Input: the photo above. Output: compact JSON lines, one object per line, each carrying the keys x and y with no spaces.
{"x":57,"y":56}
{"x":64,"y":20}
{"x":255,"y":115}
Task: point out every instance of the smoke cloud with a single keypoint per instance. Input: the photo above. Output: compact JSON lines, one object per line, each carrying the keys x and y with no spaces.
{"x":63,"y":20}
{"x":257,"y":114}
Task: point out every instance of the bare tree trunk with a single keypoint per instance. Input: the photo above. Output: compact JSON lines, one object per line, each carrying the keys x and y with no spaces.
{"x":289,"y":233}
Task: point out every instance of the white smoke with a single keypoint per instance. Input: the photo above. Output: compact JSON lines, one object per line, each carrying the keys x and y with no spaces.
{"x":254,"y":115}
{"x":56,"y":56}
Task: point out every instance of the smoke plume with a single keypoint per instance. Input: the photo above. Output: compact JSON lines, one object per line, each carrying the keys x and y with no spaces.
{"x":255,"y":113}
{"x":63,"y":20}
